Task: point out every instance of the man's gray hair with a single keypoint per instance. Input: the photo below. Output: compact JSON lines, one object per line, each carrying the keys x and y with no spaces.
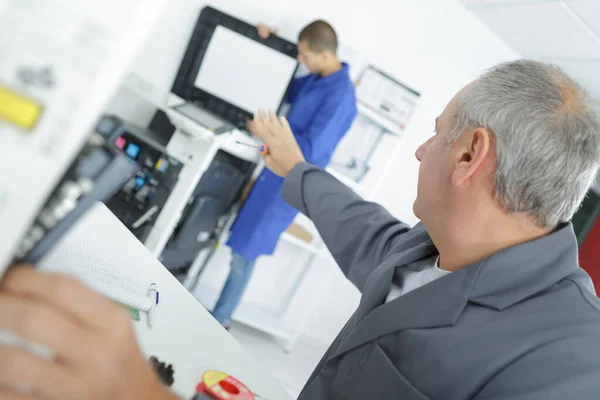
{"x":547,"y":137}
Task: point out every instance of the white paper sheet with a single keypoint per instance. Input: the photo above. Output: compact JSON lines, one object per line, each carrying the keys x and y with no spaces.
{"x":65,"y":58}
{"x":103,"y":254}
{"x":244,"y":72}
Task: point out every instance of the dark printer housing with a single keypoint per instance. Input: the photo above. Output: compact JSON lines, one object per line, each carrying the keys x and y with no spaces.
{"x":205,"y":215}
{"x":141,"y":199}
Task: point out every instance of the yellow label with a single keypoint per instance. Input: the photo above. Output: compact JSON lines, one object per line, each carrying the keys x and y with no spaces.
{"x":18,"y":109}
{"x":211,"y":378}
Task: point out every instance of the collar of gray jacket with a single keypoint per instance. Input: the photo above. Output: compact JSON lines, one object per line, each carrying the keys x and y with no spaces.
{"x":499,"y":281}
{"x":514,"y":274}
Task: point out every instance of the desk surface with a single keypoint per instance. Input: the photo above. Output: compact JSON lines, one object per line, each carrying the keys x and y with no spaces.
{"x":184,"y":333}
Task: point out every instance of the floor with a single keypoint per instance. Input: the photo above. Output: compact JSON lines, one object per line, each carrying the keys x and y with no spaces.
{"x":290,"y":369}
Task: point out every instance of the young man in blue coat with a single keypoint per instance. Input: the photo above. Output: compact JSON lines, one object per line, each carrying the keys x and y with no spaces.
{"x":323,"y":109}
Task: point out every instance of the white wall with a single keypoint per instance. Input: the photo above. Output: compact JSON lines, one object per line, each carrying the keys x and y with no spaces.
{"x":434,"y":46}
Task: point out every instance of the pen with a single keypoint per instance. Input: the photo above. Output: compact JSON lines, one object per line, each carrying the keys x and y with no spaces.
{"x":154,"y":298}
{"x":264,"y":150}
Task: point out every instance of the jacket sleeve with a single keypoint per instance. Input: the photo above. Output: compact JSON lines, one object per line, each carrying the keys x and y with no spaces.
{"x":359,"y":234}
{"x":562,"y":369}
{"x":326,"y":129}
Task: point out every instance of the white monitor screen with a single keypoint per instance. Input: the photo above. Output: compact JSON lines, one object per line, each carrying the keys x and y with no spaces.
{"x":244,"y":72}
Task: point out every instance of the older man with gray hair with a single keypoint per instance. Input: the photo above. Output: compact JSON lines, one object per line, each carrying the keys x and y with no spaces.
{"x":482,"y":300}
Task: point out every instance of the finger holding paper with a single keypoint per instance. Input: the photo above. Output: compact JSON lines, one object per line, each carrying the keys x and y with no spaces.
{"x":89,"y":346}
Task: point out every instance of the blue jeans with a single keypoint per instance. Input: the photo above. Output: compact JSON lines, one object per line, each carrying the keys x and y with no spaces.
{"x":232,"y":292}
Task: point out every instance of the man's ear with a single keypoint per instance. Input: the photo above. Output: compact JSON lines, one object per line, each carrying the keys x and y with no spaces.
{"x":471,"y":152}
{"x":327,"y":54}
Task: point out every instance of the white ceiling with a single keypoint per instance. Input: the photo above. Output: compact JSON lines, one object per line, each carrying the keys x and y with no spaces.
{"x":564,"y":32}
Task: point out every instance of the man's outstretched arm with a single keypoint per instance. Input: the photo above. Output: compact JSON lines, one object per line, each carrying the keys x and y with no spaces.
{"x":359,"y":234}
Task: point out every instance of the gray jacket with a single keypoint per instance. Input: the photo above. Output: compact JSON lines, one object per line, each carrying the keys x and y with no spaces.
{"x":523,"y":324}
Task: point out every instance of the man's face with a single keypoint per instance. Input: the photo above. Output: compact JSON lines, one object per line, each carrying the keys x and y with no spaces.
{"x":313,"y":60}
{"x":435,"y":171}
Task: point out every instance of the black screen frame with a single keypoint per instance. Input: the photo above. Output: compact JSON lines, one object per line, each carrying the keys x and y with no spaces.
{"x":184,"y":84}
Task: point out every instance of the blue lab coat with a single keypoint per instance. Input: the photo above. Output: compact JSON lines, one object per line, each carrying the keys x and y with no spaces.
{"x":323,"y":110}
